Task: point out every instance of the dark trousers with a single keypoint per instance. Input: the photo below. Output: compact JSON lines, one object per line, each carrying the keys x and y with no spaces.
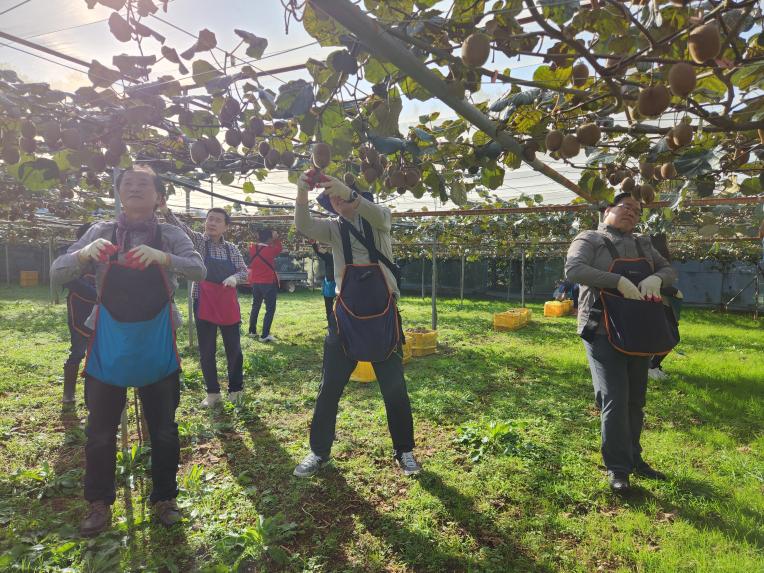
{"x":655,"y":361}
{"x":620,"y":388}
{"x":77,"y":347}
{"x":260,"y":293}
{"x":330,"y":320}
{"x":105,"y":404}
{"x":336,"y":372}
{"x":207,"y":334}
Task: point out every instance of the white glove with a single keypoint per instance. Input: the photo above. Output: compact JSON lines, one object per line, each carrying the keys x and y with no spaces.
{"x":143,"y":256}
{"x":628,"y":289}
{"x":231,"y":281}
{"x":304,"y":184}
{"x":651,"y":287}
{"x":99,"y":249}
{"x":335,"y":187}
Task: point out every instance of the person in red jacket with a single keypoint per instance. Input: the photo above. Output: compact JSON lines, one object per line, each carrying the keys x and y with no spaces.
{"x":264,"y":281}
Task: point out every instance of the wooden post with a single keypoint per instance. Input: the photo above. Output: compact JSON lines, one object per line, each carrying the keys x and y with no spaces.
{"x":7,"y":265}
{"x":53,"y":296}
{"x":190,"y":316}
{"x":434,"y":283}
{"x":522,"y":280}
{"x":509,"y":275}
{"x":756,"y":294}
{"x":461,"y":282}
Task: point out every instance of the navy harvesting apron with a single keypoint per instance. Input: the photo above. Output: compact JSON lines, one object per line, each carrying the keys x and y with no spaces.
{"x":80,"y":302}
{"x":365,"y":311}
{"x":134,"y":340}
{"x":636,"y":327}
{"x":218,"y":304}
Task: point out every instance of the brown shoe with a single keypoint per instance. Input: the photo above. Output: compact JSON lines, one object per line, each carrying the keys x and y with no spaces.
{"x":97,"y":519}
{"x":167,"y":512}
{"x":70,"y":382}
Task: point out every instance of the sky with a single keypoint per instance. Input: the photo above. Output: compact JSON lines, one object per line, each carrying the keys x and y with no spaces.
{"x":69,"y":26}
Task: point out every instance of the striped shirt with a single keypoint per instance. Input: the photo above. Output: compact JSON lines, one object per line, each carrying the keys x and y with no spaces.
{"x":217,"y":249}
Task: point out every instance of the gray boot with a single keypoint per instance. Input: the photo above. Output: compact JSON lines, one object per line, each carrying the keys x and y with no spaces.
{"x":70,"y":382}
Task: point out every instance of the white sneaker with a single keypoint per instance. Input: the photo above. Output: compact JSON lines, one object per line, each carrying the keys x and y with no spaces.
{"x":210,"y":400}
{"x":269,"y":338}
{"x":235,"y":397}
{"x":656,"y":374}
{"x":309,"y":465}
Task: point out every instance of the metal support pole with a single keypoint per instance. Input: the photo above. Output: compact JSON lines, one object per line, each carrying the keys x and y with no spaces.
{"x":522,"y":280}
{"x":53,"y":297}
{"x":117,"y":211}
{"x":212,"y":197}
{"x":190,"y":318}
{"x":312,"y":273}
{"x":756,"y":294}
{"x":509,"y":275}
{"x":381,"y":43}
{"x":422,"y":277}
{"x":434,"y":283}
{"x":188,"y":201}
{"x":461,"y":281}
{"x":7,"y":266}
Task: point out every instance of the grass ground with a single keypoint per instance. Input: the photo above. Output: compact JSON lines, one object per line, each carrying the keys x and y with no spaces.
{"x":506,"y":429}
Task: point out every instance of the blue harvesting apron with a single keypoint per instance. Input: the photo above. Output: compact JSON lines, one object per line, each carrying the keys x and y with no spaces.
{"x":636,"y":327}
{"x":134,"y":340}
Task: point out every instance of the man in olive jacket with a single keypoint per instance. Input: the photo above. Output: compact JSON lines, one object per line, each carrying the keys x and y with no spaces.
{"x":620,"y":380}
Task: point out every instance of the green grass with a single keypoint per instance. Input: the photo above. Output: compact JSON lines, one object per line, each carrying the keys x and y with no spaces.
{"x":506,"y":429}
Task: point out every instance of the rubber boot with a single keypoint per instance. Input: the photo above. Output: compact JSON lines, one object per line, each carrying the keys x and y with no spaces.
{"x":70,"y":382}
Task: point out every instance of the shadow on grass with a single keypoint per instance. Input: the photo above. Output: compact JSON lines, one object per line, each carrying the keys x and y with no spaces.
{"x":328,"y":507}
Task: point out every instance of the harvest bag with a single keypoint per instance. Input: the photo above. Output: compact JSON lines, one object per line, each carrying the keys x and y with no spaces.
{"x":134,"y":340}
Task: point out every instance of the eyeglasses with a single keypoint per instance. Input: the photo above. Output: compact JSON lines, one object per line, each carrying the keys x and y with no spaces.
{"x":637,"y":212}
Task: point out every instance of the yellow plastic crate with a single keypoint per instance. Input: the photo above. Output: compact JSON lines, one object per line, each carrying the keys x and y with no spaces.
{"x":422,"y":342}
{"x":406,"y":352}
{"x":568,"y":305}
{"x":364,"y":372}
{"x":555,"y":308}
{"x":512,"y":319}
{"x":29,"y":278}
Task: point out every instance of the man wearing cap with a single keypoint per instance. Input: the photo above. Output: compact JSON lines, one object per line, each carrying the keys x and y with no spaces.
{"x":137,"y":261}
{"x":619,"y":377}
{"x":361,"y":232}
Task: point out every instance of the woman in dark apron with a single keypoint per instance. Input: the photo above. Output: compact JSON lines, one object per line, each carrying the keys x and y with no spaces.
{"x":133,"y":343}
{"x":623,"y":322}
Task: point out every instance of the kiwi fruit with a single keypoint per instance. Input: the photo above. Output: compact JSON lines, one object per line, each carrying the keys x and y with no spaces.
{"x":388,"y":183}
{"x":264,"y":148}
{"x":398,"y":179}
{"x":233,"y":137}
{"x":411,"y":176}
{"x":372,"y":156}
{"x":529,"y":151}
{"x":647,"y":193}
{"x":570,"y":146}
{"x":10,"y":155}
{"x":647,"y":170}
{"x":213,"y":147}
{"x":653,"y":100}
{"x":636,"y":193}
{"x":628,"y":184}
{"x":682,"y":134}
{"x":28,"y":129}
{"x":682,"y":79}
{"x":580,"y":74}
{"x":97,"y":162}
{"x":248,"y":139}
{"x":349,"y":179}
{"x":71,"y":138}
{"x":272,"y":159}
{"x":287,"y":159}
{"x":370,"y":174}
{"x":27,"y":144}
{"x":51,"y":132}
{"x":322,"y":155}
{"x":588,"y":134}
{"x":199,"y":152}
{"x":670,"y":141}
{"x":553,"y":140}
{"x":704,"y":42}
{"x":257,"y":126}
{"x":476,"y":49}
{"x":615,"y":178}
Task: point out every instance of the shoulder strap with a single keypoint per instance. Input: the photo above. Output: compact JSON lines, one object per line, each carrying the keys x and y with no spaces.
{"x":262,"y":258}
{"x":347,"y":250}
{"x":113,"y":258}
{"x":374,"y":255}
{"x":610,"y":247}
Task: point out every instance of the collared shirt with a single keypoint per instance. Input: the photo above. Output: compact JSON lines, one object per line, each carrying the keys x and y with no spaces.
{"x":589,"y":260}
{"x":184,"y":260}
{"x":328,"y":231}
{"x":217,"y":249}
